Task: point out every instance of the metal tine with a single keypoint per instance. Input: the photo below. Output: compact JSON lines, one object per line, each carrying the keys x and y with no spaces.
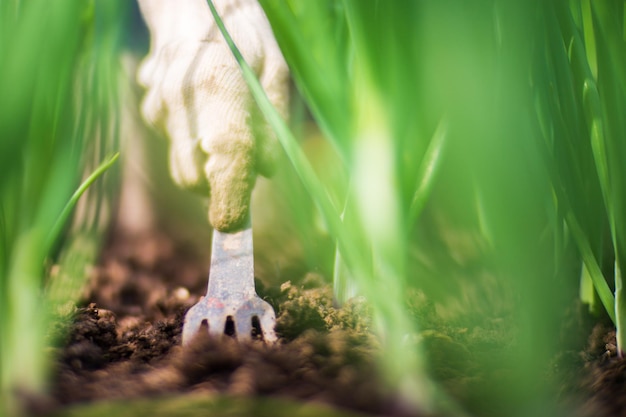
{"x":217,"y":326}
{"x":190,"y":329}
{"x":194,"y":320}
{"x":267,"y":323}
{"x":243,"y":329}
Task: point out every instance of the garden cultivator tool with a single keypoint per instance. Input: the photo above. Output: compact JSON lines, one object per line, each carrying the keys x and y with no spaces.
{"x":231,"y":305}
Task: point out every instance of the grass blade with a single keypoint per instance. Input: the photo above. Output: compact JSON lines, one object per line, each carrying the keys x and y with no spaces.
{"x":55,"y":232}
{"x":428,"y":170}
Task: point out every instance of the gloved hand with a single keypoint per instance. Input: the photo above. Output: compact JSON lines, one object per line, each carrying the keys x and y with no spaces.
{"x":197,"y":96}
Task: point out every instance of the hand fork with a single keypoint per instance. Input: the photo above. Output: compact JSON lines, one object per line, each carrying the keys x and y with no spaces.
{"x":231,"y":295}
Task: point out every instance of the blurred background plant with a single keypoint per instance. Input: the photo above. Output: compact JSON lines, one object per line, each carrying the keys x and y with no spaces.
{"x":58,"y":123}
{"x":501,"y":118}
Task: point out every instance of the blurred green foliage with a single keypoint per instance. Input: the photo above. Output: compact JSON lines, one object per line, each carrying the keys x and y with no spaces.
{"x":502,"y":118}
{"x":58,"y":71}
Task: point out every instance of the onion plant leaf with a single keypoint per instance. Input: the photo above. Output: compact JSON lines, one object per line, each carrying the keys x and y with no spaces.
{"x":55,"y":232}
{"x":592,"y":265}
{"x":428,"y":170}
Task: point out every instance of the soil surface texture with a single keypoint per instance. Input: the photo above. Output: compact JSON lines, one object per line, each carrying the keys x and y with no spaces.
{"x":124,"y":343}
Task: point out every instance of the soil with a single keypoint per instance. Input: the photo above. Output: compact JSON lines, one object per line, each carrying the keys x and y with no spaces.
{"x":124,"y":344}
{"x":596,"y":375}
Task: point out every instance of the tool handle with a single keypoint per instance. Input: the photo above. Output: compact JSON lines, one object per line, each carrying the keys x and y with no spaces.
{"x":232,"y":265}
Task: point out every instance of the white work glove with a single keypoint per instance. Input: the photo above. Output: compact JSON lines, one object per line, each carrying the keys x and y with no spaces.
{"x":197,"y":96}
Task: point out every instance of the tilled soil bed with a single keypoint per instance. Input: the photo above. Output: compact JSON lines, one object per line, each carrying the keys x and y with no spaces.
{"x":125,"y":341}
{"x":124,"y":344}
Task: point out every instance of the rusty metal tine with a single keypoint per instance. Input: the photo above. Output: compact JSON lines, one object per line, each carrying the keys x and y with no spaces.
{"x":268,"y":323}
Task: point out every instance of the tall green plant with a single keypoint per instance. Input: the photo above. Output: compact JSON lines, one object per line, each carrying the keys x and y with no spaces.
{"x":604,"y":99}
{"x":393,"y":84}
{"x":584,"y":99}
{"x":56,"y":114}
{"x":368,"y":251}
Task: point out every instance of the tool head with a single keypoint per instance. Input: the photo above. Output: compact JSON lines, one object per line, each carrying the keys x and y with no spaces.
{"x":231,"y":305}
